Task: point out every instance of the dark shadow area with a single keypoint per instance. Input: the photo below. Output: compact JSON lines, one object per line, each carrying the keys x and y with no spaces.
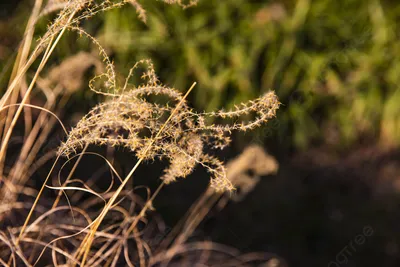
{"x":308,"y":214}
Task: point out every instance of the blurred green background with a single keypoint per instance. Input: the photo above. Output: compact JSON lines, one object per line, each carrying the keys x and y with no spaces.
{"x":335,"y":67}
{"x":334,"y":64}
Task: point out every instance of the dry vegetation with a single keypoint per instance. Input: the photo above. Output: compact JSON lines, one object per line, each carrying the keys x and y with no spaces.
{"x":83,"y":226}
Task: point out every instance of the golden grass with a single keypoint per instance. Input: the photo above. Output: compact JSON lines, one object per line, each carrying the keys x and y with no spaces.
{"x":102,"y":225}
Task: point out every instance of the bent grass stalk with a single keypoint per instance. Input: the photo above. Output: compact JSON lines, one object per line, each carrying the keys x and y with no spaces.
{"x":61,"y":191}
{"x":48,"y":176}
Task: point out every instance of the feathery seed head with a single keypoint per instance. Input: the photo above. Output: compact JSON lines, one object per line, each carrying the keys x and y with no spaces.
{"x":130,"y":120}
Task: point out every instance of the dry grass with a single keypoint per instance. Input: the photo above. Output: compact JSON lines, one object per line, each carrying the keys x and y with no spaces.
{"x":110,"y":227}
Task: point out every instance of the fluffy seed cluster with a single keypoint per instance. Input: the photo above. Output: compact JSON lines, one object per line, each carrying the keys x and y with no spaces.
{"x":132,"y":119}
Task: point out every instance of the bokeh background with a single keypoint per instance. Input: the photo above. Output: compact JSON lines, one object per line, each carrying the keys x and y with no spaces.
{"x":335,"y":66}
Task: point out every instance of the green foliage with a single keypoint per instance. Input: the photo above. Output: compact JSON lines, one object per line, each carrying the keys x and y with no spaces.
{"x":333,"y":64}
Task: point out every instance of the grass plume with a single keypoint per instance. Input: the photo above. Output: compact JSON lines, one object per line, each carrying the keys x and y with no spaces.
{"x":149,"y":119}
